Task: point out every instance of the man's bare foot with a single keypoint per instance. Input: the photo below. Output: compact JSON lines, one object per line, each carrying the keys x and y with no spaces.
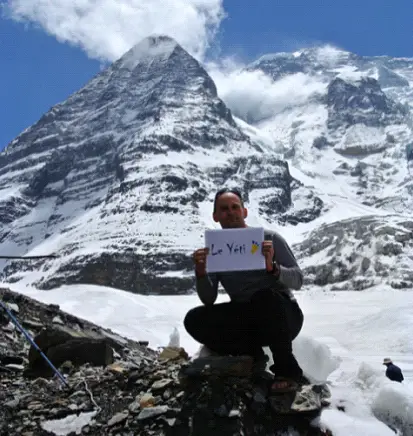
{"x":283,"y":384}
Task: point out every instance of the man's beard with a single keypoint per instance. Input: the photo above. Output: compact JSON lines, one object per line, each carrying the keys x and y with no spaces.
{"x":234,"y":224}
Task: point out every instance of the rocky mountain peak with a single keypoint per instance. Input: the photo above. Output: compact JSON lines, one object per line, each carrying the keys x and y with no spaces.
{"x":310,"y":60}
{"x":160,"y":56}
{"x":120,"y":153}
{"x":151,"y":75}
{"x":148,"y":49}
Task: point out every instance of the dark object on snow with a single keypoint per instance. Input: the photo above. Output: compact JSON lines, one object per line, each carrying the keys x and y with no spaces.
{"x":393,"y":372}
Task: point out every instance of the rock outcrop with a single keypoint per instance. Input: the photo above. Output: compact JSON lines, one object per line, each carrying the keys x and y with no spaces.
{"x":129,"y":388}
{"x":359,"y":253}
{"x":361,"y":102}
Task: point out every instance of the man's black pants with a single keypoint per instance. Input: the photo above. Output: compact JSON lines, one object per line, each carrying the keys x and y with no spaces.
{"x":270,"y":319}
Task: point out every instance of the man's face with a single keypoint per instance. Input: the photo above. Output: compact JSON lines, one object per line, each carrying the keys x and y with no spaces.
{"x":229,"y":211}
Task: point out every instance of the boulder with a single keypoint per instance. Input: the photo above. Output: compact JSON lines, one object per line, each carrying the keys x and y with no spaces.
{"x":173,"y":353}
{"x":61,"y":344}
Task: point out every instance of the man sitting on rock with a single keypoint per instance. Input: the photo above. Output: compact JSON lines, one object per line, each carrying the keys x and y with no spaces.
{"x":262,"y":312}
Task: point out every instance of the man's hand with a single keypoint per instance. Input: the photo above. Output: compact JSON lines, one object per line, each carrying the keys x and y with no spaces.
{"x":268,"y":252}
{"x":199,"y":258}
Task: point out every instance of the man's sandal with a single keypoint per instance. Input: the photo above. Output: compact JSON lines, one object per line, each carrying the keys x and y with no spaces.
{"x":283,"y":384}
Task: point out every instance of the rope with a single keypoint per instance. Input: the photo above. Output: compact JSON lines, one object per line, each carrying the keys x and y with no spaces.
{"x":92,"y":399}
{"x":50,"y":256}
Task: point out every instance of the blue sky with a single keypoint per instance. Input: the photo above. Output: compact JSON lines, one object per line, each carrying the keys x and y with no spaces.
{"x":37,"y":71}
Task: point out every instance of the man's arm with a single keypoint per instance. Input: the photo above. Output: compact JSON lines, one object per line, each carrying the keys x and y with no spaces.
{"x":207,"y":288}
{"x":289,"y":273}
{"x":206,"y":284}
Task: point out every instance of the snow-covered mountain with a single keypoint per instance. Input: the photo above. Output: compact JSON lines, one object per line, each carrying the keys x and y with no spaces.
{"x":118,"y":180}
{"x":355,"y":125}
{"x":350,"y":140}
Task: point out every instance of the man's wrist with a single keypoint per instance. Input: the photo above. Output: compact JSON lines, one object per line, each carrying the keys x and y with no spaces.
{"x":200,"y":275}
{"x":275,"y":270}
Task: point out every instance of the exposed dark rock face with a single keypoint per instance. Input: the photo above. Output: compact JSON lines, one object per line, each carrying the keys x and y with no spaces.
{"x":138,"y":274}
{"x":377,"y":252}
{"x":362,"y":102}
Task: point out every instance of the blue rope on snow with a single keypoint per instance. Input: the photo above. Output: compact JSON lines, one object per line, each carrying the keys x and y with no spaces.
{"x":17,"y":324}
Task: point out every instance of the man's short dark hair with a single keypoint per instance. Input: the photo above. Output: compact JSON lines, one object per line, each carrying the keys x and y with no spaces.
{"x":222,"y":191}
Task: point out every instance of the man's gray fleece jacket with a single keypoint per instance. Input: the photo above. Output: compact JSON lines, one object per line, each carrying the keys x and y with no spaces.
{"x":241,"y":285}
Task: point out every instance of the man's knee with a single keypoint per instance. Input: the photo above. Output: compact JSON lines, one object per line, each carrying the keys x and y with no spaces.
{"x":277,"y":308}
{"x":194,"y":320}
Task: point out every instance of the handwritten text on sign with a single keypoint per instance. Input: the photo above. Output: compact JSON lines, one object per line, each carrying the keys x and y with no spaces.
{"x":235,"y":249}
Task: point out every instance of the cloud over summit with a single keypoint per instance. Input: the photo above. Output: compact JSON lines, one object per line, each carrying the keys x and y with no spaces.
{"x":106,"y":29}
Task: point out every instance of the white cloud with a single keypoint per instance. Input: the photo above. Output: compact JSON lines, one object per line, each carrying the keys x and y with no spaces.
{"x":106,"y":29}
{"x":254,"y":96}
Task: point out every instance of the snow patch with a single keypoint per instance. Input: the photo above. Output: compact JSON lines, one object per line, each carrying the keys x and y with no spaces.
{"x":351,"y":74}
{"x":315,"y":358}
{"x":69,"y":424}
{"x":330,"y":55}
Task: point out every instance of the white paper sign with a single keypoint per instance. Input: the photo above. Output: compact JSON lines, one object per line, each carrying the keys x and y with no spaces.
{"x":235,"y":249}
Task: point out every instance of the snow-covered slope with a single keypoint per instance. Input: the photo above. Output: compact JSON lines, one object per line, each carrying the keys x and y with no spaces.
{"x":349,"y":137}
{"x":118,"y":179}
{"x":361,"y":252}
{"x":354,"y":128}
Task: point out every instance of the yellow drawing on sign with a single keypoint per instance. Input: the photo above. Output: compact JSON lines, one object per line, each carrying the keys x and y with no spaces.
{"x":255,"y":246}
